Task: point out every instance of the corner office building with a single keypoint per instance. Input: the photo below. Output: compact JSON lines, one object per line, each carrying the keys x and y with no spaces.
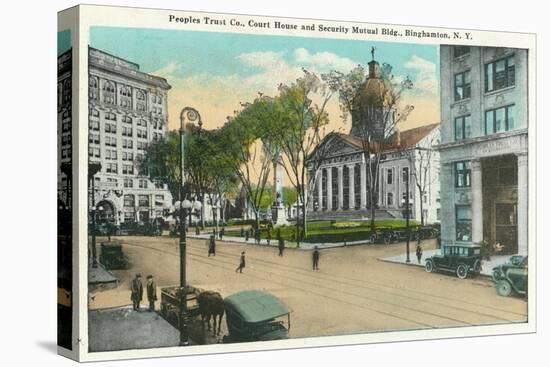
{"x":127,"y":110}
{"x":483,"y":151}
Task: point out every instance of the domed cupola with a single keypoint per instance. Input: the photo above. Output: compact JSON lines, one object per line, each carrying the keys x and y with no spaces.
{"x":371,"y":103}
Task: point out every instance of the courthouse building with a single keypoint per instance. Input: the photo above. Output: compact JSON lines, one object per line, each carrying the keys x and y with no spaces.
{"x":483,"y":151}
{"x":127,"y":110}
{"x":341,"y":179}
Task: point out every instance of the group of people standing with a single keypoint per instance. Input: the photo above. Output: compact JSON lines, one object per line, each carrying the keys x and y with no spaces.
{"x":136,"y":287}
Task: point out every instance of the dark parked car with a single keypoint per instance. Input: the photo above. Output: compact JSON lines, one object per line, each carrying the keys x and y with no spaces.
{"x":511,"y":277}
{"x":463,"y":260}
{"x":112,"y":256}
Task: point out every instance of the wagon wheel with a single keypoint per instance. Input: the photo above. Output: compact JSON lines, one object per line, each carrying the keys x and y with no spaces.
{"x":430,"y":266}
{"x":504,"y":288}
{"x":462,"y":271}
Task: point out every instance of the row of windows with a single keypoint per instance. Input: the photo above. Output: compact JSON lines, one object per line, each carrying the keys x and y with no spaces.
{"x":130,"y":200}
{"x":404,"y":175}
{"x":498,"y":74}
{"x":496,"y":120}
{"x":126,"y":119}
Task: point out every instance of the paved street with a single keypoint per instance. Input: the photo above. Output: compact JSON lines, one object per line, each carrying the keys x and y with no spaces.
{"x":352,"y":292}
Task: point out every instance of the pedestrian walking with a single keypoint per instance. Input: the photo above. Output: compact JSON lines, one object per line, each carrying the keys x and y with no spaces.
{"x":222,"y":233}
{"x":268,"y":236}
{"x":418,"y":252}
{"x":315,"y":258}
{"x":151,"y":292}
{"x":281,"y":245}
{"x":242,"y":263}
{"x":242,"y":231}
{"x":246,"y":236}
{"x":137,"y":291}
{"x":212,"y":246}
{"x":258,"y":236}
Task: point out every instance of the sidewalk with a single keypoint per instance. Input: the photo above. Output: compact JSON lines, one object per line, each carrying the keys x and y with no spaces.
{"x":274,"y":243}
{"x":123,"y":328}
{"x":486,"y":266}
{"x":100,"y":277}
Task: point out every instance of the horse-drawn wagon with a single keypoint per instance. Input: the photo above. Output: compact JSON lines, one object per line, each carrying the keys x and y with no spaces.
{"x":171,"y":300}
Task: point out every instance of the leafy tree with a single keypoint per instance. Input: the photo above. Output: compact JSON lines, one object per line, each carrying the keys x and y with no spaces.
{"x":249,"y":140}
{"x":388,"y":114}
{"x":300,"y":126}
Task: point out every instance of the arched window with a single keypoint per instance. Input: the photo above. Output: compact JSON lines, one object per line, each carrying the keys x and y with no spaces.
{"x":109,"y":87}
{"x":93,"y":82}
{"x":108,"y":92}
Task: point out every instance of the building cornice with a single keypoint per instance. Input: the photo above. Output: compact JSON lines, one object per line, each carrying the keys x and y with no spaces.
{"x":481,"y":139}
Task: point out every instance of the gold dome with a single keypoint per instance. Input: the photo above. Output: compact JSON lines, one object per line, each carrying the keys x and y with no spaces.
{"x":373,"y":93}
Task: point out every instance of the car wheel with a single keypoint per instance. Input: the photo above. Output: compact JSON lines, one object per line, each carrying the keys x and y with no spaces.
{"x":503,"y":288}
{"x":429,"y":265}
{"x":462,"y":271}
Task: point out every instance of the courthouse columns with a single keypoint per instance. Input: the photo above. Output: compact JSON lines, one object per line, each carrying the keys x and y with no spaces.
{"x":363,"y":168}
{"x":329,"y":188}
{"x":351,"y":171}
{"x":320,"y":190}
{"x":340,"y":187}
{"x":523,"y":205}
{"x":477,"y":202}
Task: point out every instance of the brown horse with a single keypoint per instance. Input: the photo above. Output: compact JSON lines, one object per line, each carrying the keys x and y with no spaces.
{"x":210,"y":306}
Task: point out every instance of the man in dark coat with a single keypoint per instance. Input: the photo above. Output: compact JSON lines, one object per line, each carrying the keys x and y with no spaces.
{"x":212,"y":246}
{"x":241,"y":264}
{"x":137,"y":291}
{"x":222,"y":232}
{"x":281,"y":245}
{"x":418,"y":253}
{"x":316,"y":258}
{"x":151,"y":292}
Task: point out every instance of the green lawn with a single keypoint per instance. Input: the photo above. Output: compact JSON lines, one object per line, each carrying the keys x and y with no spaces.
{"x":330,"y":231}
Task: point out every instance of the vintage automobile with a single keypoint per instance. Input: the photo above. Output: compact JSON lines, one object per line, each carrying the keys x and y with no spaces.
{"x":383,"y":235}
{"x":511,"y":277}
{"x":255,"y":316}
{"x":463,"y":260}
{"x":112,"y":256}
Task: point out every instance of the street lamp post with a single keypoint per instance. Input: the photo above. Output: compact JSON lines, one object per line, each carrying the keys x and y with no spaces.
{"x":93,"y":168}
{"x":408,"y":215}
{"x":188,"y":114}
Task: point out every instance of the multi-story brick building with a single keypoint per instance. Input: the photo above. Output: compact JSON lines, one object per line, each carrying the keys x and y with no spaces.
{"x":127,"y":110}
{"x":483,"y":152}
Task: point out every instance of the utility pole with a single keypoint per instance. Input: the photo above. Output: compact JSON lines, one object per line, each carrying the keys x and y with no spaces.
{"x":408,"y":214}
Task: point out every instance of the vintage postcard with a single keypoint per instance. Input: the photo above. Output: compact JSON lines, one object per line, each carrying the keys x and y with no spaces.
{"x":237,"y":183}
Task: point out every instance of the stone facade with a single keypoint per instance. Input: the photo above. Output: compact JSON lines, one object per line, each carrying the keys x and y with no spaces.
{"x":127,"y":110}
{"x":483,"y":151}
{"x":341,"y":180}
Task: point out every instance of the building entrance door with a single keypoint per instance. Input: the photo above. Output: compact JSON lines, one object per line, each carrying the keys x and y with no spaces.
{"x":506,"y":227}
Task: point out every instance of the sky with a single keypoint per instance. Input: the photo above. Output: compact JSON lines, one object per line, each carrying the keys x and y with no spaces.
{"x":214,"y":72}
{"x":63,"y":41}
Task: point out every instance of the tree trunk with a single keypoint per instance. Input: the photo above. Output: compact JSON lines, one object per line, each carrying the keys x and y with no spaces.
{"x":421,"y":209}
{"x":372,"y":208}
